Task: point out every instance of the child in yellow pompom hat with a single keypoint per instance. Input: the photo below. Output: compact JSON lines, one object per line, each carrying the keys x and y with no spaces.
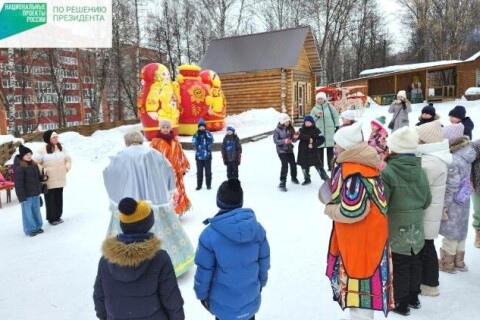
{"x":134,"y":272}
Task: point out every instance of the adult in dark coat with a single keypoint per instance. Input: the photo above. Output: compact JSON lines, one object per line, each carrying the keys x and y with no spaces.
{"x":459,"y":115}
{"x":135,"y":278}
{"x":310,"y":139}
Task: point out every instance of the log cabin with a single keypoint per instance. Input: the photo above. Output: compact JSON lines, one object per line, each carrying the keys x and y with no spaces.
{"x":276,"y":69}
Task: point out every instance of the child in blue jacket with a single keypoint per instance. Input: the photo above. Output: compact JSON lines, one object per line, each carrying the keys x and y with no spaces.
{"x":203,"y":141}
{"x":231,"y":152}
{"x":233,"y":258}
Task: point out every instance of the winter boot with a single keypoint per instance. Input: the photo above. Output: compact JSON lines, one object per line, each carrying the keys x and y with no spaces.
{"x":306,"y":175}
{"x":209,"y":182}
{"x":446,"y":262}
{"x":322,"y":173}
{"x":295,"y":180}
{"x":199,"y":182}
{"x":459,"y":261}
{"x":414,"y":302}
{"x":477,"y":238}
{"x":429,"y":291}
{"x":402,"y":308}
{"x":282,"y":186}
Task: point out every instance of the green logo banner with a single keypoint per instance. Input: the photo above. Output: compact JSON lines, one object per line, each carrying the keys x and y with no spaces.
{"x":19,"y":17}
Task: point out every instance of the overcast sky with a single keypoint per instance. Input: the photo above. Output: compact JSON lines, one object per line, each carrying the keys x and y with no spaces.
{"x":391,"y":9}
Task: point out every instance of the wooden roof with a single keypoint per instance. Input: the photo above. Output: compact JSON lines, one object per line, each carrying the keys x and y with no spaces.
{"x":261,"y":51}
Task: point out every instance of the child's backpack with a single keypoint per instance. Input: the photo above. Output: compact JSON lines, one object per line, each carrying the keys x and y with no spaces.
{"x":464,"y":192}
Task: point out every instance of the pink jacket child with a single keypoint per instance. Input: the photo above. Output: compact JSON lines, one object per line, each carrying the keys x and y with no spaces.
{"x":378,"y":139}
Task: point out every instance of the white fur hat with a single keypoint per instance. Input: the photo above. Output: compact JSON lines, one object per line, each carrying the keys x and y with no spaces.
{"x":403,"y":140}
{"x":321,"y":95}
{"x":349,"y":136}
{"x":348,"y":114}
{"x":284,"y":118}
{"x":402,"y":94}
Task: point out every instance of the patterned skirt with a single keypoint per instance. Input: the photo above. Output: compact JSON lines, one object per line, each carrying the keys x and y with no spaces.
{"x":167,"y":227}
{"x":374,"y":293}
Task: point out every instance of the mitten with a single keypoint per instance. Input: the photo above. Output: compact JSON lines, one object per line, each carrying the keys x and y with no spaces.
{"x":336,"y":128}
{"x":205,"y":304}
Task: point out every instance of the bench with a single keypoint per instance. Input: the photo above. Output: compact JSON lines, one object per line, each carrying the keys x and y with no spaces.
{"x":8,"y":186}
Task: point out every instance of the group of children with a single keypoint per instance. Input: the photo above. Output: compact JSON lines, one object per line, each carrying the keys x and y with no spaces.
{"x":231,"y":153}
{"x":136,"y":278}
{"x":432,"y":166}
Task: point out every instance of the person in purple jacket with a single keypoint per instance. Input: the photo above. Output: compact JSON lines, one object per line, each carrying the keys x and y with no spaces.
{"x":135,"y":278}
{"x":233,"y":258}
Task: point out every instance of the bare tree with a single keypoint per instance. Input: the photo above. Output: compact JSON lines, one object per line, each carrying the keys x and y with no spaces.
{"x":57,"y":77}
{"x":331,"y":22}
{"x":124,"y":77}
{"x":94,"y":64}
{"x":219,"y":12}
{"x":440,"y":27}
{"x":367,"y":41}
{"x":282,"y":14}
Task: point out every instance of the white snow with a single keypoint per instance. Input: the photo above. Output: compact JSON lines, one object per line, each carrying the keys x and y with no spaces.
{"x":51,"y":276}
{"x":474,"y":57}
{"x":406,"y":67}
{"x":472,"y":91}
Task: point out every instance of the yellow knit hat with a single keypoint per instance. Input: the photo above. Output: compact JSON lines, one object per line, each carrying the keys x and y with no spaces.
{"x":135,"y":216}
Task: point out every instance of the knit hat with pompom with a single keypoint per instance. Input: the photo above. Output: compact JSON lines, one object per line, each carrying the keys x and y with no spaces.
{"x":135,"y":216}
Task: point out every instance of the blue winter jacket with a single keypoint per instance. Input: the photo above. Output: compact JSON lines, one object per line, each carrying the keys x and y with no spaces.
{"x":233,"y":259}
{"x":203,"y":141}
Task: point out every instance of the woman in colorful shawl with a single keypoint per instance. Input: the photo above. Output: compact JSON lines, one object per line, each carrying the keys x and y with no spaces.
{"x":168,"y":144}
{"x":359,"y":260}
{"x":141,"y":172}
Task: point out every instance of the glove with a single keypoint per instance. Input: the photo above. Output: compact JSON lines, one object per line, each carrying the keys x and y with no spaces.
{"x":336,"y":128}
{"x":239,"y":160}
{"x":205,"y":304}
{"x":224,"y":160}
{"x":404,"y":106}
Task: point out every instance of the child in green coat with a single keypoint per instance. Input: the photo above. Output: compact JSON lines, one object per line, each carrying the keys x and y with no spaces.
{"x":405,"y":179}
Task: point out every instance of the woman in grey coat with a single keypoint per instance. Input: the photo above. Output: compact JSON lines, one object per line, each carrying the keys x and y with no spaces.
{"x":456,"y":208}
{"x":400,"y":108}
{"x":326,"y":119}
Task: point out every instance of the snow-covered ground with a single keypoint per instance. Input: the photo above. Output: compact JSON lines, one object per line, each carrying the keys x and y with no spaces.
{"x":51,"y":275}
